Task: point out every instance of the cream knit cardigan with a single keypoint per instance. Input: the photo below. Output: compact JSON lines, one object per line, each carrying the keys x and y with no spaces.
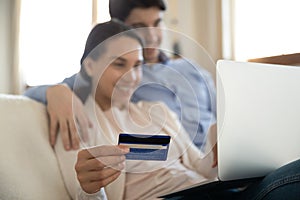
{"x":102,"y":134}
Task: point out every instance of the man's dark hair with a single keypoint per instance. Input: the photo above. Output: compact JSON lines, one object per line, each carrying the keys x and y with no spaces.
{"x":102,"y":32}
{"x":121,"y":9}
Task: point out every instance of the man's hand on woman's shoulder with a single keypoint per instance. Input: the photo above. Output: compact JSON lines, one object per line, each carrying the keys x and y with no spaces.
{"x":65,"y":110}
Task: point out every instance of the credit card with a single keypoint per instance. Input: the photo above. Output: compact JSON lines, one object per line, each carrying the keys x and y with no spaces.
{"x":145,"y":147}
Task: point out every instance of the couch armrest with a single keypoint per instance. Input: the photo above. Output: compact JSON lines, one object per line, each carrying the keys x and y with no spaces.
{"x":28,"y":167}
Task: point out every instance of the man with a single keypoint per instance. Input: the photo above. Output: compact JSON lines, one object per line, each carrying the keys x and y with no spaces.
{"x":184,"y":87}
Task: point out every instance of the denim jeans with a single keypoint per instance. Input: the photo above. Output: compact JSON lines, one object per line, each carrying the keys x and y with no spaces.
{"x":281,"y":184}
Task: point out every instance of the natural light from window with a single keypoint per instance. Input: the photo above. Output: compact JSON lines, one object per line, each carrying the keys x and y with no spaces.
{"x":52,"y":39}
{"x":266,"y":28}
{"x":102,"y":11}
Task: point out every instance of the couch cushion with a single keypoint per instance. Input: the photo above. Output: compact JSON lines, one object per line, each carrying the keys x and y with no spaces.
{"x":28,"y":166}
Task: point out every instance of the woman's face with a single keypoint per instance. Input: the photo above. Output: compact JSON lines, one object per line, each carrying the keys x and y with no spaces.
{"x":117,"y":72}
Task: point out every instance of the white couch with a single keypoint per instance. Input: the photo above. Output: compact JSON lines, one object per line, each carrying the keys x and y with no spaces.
{"x":28,"y":166}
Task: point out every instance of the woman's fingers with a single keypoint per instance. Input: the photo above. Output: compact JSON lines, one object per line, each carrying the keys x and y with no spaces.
{"x":95,"y":186}
{"x":102,"y":151}
{"x":100,"y":163}
{"x":98,"y":166}
{"x":101,"y":174}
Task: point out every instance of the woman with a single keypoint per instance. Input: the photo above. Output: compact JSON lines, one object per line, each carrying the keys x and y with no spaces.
{"x":112,"y":63}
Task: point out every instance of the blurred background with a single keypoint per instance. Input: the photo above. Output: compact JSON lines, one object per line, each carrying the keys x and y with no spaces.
{"x":41,"y":41}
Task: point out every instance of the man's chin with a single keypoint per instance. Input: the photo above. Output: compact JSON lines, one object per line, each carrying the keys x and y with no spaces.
{"x":151,"y":56}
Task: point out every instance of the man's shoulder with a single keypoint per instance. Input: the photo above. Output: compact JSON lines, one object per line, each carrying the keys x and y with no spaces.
{"x":188,"y":66}
{"x":184,"y":63}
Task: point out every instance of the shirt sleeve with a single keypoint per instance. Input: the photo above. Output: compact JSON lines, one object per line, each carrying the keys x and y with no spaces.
{"x":37,"y":93}
{"x":212,"y":91}
{"x":95,"y":196}
{"x":75,"y":83}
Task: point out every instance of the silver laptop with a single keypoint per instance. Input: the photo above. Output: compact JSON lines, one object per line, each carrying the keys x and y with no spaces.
{"x":258,"y":109}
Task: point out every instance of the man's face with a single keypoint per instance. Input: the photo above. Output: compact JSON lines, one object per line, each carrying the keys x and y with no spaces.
{"x":150,"y":19}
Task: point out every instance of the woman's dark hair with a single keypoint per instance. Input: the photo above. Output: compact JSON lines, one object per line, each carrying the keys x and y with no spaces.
{"x":120,"y":9}
{"x":99,"y":34}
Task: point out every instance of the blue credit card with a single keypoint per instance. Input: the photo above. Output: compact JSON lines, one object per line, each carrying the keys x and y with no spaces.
{"x":145,"y":147}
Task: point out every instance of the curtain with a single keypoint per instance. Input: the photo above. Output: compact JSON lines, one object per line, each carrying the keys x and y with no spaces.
{"x":199,"y":24}
{"x":16,"y":80}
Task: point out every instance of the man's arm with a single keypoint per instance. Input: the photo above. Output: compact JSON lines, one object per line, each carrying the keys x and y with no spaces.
{"x":65,"y":109}
{"x":38,"y":93}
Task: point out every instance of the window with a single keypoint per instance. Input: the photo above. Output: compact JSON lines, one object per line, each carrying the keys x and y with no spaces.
{"x":102,"y":11}
{"x":263,"y":28}
{"x":53,"y":35}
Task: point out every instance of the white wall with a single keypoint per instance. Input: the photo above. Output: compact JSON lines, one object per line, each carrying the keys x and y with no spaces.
{"x":5,"y":47}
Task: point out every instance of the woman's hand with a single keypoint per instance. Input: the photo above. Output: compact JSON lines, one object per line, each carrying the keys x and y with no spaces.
{"x":214,"y":143}
{"x":215,"y":158}
{"x":98,"y":166}
{"x":64,"y":109}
